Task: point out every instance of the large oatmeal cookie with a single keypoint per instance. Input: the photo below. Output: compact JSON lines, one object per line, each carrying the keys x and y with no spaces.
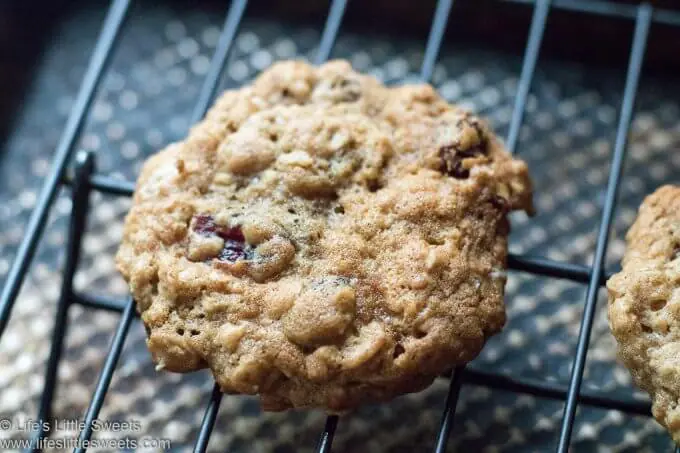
{"x":644,"y":304}
{"x":322,"y":240}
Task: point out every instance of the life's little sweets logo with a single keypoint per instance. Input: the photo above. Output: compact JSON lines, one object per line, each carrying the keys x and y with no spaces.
{"x":66,"y":424}
{"x":22,"y":433}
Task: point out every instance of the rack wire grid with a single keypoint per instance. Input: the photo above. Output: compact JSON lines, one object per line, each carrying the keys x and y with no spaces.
{"x":84,"y":179}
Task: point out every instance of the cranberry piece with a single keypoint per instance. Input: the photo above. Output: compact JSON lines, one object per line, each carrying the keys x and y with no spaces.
{"x":204,"y":224}
{"x":235,"y":246}
{"x":231,"y":234}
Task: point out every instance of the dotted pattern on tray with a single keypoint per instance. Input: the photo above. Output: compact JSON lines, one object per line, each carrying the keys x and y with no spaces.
{"x":144,"y":103}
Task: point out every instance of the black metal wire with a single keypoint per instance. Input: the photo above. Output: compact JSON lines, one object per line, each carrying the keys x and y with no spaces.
{"x":219,"y":59}
{"x":472,"y":376}
{"x":111,"y":186}
{"x":432,"y":49}
{"x":231,"y":26}
{"x":36,"y":224}
{"x":80,"y":202}
{"x":611,"y":9}
{"x":535,"y":265}
{"x":548,"y":268}
{"x":330,"y":31}
{"x":434,"y":41}
{"x":533,"y":47}
{"x":554,"y":391}
{"x":601,"y":7}
{"x":210,"y":84}
{"x":449,"y":410}
{"x":642,"y":25}
{"x":326,"y":440}
{"x":328,"y":38}
{"x":209,"y":418}
{"x":98,"y":301}
{"x":106,"y":374}
{"x":538,"y":21}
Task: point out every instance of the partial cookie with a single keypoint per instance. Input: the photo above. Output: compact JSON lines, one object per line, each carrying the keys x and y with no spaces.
{"x":322,"y":240}
{"x":644,"y":304}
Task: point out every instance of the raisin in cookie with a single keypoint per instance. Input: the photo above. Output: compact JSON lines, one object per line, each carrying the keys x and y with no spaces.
{"x":644,"y":304}
{"x":322,"y":240}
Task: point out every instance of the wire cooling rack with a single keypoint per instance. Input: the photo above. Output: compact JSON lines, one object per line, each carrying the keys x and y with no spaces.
{"x":84,"y":179}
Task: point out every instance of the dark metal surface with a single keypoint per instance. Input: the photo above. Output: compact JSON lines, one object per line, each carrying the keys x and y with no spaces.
{"x":541,"y":267}
{"x":642,"y":24}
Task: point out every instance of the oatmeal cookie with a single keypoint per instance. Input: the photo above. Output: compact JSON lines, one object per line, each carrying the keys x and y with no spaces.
{"x":322,"y":240}
{"x":644,"y":304}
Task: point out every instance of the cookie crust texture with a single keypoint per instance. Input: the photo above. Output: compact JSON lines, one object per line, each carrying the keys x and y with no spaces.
{"x":322,"y":240}
{"x":644,"y":304}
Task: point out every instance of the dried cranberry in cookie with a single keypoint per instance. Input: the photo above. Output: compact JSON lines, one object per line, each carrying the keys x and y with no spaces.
{"x":209,"y":240}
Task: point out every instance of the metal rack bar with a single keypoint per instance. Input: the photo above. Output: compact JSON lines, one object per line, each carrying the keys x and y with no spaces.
{"x":219,"y":59}
{"x":556,"y":269}
{"x":533,"y":48}
{"x":432,"y":49}
{"x":231,"y":26}
{"x":434,"y":41}
{"x":449,"y":410}
{"x":111,"y":186}
{"x":525,"y":263}
{"x":326,"y":440}
{"x":642,"y":24}
{"x":78,"y":222}
{"x":553,"y":390}
{"x":330,"y":31}
{"x":209,"y":418}
{"x":209,"y":86}
{"x":601,"y":7}
{"x":36,"y":224}
{"x":471,"y":376}
{"x":328,"y":38}
{"x":610,"y":9}
{"x":98,"y":301}
{"x":104,"y":380}
{"x":528,"y":264}
{"x":81,"y":192}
